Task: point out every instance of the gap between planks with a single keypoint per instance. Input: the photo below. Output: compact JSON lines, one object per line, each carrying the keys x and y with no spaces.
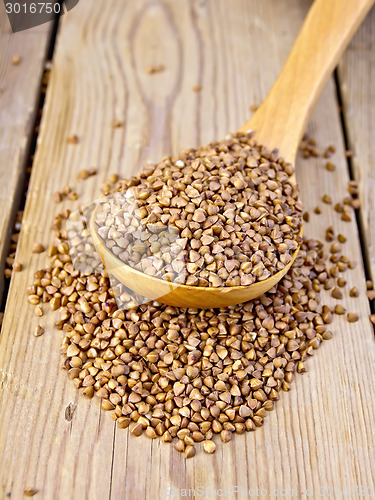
{"x":356,"y":76}
{"x":19,"y":97}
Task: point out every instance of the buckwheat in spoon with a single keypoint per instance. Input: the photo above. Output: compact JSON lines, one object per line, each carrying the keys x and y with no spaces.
{"x":222,"y":224}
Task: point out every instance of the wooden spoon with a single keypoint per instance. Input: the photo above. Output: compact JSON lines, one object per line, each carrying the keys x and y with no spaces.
{"x":278,"y":123}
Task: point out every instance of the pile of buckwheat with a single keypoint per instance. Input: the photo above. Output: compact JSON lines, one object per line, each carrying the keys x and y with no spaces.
{"x":225,"y":214}
{"x":186,"y":375}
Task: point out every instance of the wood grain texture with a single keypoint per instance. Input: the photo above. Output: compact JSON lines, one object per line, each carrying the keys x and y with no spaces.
{"x":357,"y":75}
{"x":321,"y":433}
{"x":19,"y":96}
{"x":282,"y":118}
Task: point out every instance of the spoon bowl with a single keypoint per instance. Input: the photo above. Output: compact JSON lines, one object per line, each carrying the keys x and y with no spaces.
{"x":175,"y":294}
{"x":277,"y":124}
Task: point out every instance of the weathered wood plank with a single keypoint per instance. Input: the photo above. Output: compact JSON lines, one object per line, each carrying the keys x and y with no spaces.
{"x":19,"y":96}
{"x":356,"y":76}
{"x":320,"y":434}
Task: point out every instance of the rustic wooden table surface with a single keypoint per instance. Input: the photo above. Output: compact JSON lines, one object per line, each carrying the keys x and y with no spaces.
{"x":321,"y":435}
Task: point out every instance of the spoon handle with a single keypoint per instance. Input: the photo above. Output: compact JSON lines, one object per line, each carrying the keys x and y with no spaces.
{"x":281,"y":119}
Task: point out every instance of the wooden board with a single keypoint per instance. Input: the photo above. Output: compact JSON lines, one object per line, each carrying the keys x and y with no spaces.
{"x":357,"y":75}
{"x":19,"y":96}
{"x":321,"y":433}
